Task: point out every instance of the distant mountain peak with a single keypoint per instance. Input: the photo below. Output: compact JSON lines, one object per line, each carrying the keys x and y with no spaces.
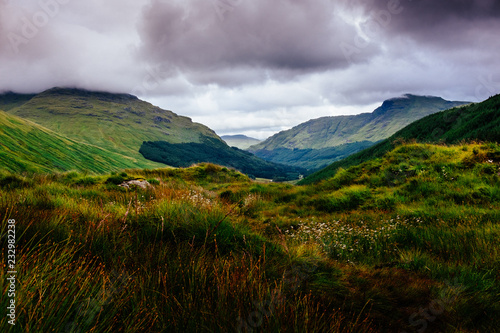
{"x":240,"y":141}
{"x":328,"y":132}
{"x":410,"y":96}
{"x":238,"y":136}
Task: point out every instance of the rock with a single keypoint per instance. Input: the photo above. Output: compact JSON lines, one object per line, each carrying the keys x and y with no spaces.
{"x":144,"y":184}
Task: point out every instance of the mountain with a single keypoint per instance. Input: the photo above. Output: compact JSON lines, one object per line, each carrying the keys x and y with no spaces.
{"x":354,"y":132}
{"x":121,"y":125}
{"x":240,"y":141}
{"x":474,"y":122}
{"x":28,"y":147}
{"x":116,"y":122}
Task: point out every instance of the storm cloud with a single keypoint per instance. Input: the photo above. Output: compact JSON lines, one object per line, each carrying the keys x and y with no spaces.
{"x":254,"y":67}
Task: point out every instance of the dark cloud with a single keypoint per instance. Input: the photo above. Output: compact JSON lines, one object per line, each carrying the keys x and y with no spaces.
{"x":282,"y":38}
{"x":451,"y":23}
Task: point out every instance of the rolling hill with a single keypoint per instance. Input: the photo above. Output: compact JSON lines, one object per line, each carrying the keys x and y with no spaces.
{"x":28,"y":147}
{"x":354,"y":132}
{"x":475,"y":122}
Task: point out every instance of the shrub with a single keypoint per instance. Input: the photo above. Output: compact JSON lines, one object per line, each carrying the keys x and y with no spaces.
{"x":346,"y":199}
{"x":117,"y":179}
{"x":85,"y":181}
{"x":154,"y":181}
{"x":13,"y":181}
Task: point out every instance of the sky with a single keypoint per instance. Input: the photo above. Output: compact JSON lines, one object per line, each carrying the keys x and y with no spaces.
{"x":254,"y":67}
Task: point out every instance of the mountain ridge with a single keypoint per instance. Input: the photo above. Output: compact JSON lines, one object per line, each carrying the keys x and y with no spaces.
{"x":330,"y":133}
{"x":116,"y":122}
{"x":359,"y":124}
{"x":473,"y":122}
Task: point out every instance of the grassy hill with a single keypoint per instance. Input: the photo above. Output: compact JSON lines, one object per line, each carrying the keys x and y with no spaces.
{"x":479,"y":121}
{"x":404,"y":243}
{"x":28,"y":147}
{"x":348,"y":131}
{"x":116,"y":122}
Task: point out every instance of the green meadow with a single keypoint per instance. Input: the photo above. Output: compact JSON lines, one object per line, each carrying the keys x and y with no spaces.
{"x":407,"y":242}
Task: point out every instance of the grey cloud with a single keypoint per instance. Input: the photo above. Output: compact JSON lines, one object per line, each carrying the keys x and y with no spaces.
{"x":281,"y":38}
{"x":450,"y":23}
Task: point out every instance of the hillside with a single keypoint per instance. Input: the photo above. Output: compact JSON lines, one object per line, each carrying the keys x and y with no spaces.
{"x":116,"y":122}
{"x":328,"y":132}
{"x":28,"y":147}
{"x":479,"y":121}
{"x":240,"y":141}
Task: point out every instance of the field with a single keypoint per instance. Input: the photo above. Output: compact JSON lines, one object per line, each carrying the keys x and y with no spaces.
{"x":403,"y":243}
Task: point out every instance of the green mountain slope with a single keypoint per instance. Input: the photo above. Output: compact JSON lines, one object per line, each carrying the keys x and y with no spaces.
{"x":28,"y":147}
{"x":328,"y":132}
{"x":116,"y":122}
{"x":473,"y":122}
{"x":324,"y":132}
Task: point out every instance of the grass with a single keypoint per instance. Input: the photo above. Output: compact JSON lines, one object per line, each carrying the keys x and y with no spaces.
{"x":28,"y":147}
{"x":406,"y":242}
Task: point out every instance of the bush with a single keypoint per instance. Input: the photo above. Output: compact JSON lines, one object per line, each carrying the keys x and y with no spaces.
{"x":117,"y":179}
{"x":86,"y":181}
{"x":154,"y":181}
{"x":231,"y":197}
{"x":13,"y":181}
{"x":346,"y":199}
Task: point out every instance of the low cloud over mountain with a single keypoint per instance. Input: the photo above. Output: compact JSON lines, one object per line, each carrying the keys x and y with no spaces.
{"x":254,"y":67}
